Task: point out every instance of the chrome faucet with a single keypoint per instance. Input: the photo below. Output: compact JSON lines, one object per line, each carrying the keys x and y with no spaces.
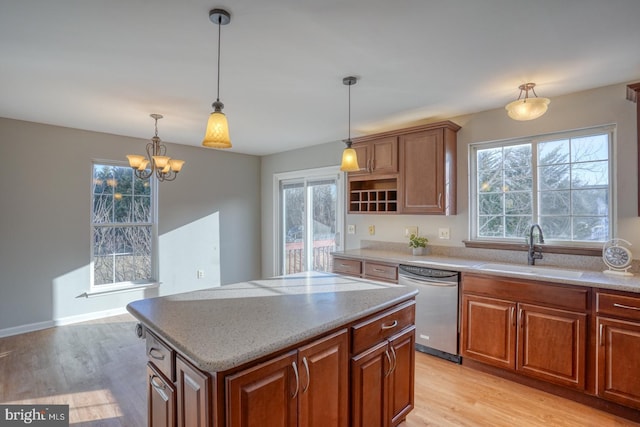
{"x":533,"y":256}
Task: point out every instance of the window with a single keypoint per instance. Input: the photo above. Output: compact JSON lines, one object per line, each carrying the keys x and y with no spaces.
{"x":310,"y":212}
{"x":562,"y":182}
{"x":123,"y":227}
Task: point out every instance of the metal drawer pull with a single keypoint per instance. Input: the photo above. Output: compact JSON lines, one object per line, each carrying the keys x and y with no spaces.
{"x":601,"y":334}
{"x":439,"y":200}
{"x":513,"y":317}
{"x":395,"y":358}
{"x":306,"y":367}
{"x":156,"y":354}
{"x":379,"y":270}
{"x":628,"y":307}
{"x":295,"y":371}
{"x":391,"y":326}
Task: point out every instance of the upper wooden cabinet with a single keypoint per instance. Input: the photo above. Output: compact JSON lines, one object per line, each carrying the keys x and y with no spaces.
{"x":377,"y":156}
{"x":406,"y":171}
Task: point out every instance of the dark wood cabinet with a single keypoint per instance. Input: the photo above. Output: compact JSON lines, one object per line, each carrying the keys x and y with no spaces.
{"x":406,"y":171}
{"x":374,"y":270}
{"x":376,"y":156}
{"x":401,"y":378}
{"x":348,"y":266}
{"x":427,"y":180}
{"x":305,"y":388}
{"x":161,"y":397}
{"x":532,"y":328}
{"x":618,"y":347}
{"x":193,"y":395}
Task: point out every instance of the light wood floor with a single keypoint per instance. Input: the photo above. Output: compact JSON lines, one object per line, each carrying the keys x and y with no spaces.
{"x":98,"y":368}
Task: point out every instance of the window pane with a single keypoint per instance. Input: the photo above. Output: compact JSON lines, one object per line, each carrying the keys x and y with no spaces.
{"x":590,"y":174}
{"x":323,"y":204}
{"x":103,"y":270}
{"x":142,"y":209}
{"x":518,"y":203}
{"x":553,"y":152}
{"x":490,"y":226}
{"x":102,"y":208}
{"x":554,"y":203}
{"x":517,"y":168}
{"x":517,"y":226}
{"x":553,"y":177}
{"x":123,"y":180}
{"x":556,"y":227}
{"x":590,"y":228}
{"x":490,"y":204}
{"x":122,"y":208}
{"x":590,"y":148}
{"x":590,"y":202}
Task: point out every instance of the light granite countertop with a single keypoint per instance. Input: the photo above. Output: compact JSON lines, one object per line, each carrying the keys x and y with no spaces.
{"x":220,"y":328}
{"x":595,"y":279}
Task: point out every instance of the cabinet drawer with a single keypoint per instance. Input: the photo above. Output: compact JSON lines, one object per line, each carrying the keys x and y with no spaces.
{"x":347,"y":266}
{"x":161,"y":355}
{"x":380,"y":327}
{"x":381,"y":271}
{"x":624,"y":306}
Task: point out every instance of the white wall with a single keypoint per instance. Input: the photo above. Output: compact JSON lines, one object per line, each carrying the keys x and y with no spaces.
{"x":584,"y":109}
{"x":205,"y":216}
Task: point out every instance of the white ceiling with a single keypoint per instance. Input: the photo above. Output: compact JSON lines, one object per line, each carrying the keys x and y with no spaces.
{"x":105,"y":65}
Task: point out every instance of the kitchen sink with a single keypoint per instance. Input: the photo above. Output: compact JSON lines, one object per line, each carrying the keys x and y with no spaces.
{"x":531,"y":270}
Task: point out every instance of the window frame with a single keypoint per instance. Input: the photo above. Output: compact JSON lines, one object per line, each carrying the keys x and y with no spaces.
{"x":564,"y":246}
{"x":125,"y":285}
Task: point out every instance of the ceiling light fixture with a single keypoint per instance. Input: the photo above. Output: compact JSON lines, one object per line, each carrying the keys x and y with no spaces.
{"x":165,"y":168}
{"x":217,"y":133}
{"x":349,"y":157}
{"x":527,"y":108}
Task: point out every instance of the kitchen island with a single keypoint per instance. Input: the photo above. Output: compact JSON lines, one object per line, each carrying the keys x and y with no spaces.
{"x":311,"y":349}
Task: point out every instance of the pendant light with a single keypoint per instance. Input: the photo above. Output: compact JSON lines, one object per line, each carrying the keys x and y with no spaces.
{"x":349,"y":157}
{"x":527,"y":108}
{"x":217,"y":133}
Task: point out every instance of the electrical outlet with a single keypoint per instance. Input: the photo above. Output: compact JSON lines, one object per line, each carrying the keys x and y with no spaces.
{"x":351,"y":229}
{"x":200,"y":274}
{"x":408,"y":231}
{"x":444,"y":233}
{"x":372,"y":230}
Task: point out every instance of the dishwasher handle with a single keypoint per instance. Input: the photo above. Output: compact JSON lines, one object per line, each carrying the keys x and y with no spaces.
{"x":427,"y":282}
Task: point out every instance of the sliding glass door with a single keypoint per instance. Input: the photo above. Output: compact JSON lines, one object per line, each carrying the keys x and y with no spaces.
{"x":310,"y":220}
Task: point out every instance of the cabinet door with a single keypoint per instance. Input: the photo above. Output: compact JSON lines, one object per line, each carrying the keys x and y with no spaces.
{"x":552,"y":345}
{"x":264,"y":395}
{"x":193,"y":395}
{"x":422,"y":175}
{"x":324,"y":382}
{"x":369,"y":383}
{"x":401,"y":378}
{"x":618,"y":363}
{"x":363,"y":155}
{"x":161,"y":398}
{"x":384,"y":155}
{"x":489,"y":330}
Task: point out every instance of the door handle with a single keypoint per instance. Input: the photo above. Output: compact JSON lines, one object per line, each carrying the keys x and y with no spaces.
{"x":395,"y":357}
{"x":156,"y":354}
{"x":386,"y":353}
{"x":601,"y":334}
{"x":306,"y":368}
{"x":390,"y":325}
{"x":513,"y":317}
{"x":295,"y":372}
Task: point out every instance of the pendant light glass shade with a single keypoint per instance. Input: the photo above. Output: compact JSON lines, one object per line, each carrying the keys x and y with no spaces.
{"x":349,"y":160}
{"x":527,"y":108}
{"x":217,"y":133}
{"x":349,"y":157}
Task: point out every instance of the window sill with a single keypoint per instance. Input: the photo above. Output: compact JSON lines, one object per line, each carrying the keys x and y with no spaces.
{"x":551,"y":249}
{"x":118,"y":289}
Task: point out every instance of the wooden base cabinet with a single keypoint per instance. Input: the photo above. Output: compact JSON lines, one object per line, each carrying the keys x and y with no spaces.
{"x":618,"y":348}
{"x":161,"y":395}
{"x":305,"y":388}
{"x":382,"y":381}
{"x":193,"y":395}
{"x":547,"y":342}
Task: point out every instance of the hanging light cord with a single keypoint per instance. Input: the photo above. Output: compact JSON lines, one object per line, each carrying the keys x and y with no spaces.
{"x":349,"y":131}
{"x":219,"y":36}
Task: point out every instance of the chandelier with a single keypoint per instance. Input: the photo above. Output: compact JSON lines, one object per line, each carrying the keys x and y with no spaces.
{"x":165,"y":168}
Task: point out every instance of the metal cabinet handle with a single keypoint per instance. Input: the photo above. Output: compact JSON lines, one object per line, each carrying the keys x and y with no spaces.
{"x":440,"y":200}
{"x":395,"y":357}
{"x":306,"y":368}
{"x":386,"y":353}
{"x":390,"y":326}
{"x":295,"y":371}
{"x":628,"y":307}
{"x":153,"y":379}
{"x":156,"y":354}
{"x":520,"y":318}
{"x":379,"y":270}
{"x":512,"y":316}
{"x":601,"y":335}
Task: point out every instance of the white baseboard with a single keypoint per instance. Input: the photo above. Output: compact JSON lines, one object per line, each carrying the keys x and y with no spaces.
{"x":22,"y":329}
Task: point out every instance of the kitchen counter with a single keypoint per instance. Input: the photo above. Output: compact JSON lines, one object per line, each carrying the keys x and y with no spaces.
{"x":224,"y":327}
{"x":595,"y":279}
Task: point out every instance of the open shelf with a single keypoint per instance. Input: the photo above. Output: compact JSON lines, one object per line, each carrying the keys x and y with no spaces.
{"x":373,"y":196}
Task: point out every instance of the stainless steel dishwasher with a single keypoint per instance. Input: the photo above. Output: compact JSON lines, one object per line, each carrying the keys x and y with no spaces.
{"x":437,"y":319}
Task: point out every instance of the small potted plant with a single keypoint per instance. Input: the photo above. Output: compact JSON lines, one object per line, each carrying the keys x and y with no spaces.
{"x":417,"y":244}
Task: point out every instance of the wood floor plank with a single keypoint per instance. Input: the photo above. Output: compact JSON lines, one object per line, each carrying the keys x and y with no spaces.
{"x":98,"y":368}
